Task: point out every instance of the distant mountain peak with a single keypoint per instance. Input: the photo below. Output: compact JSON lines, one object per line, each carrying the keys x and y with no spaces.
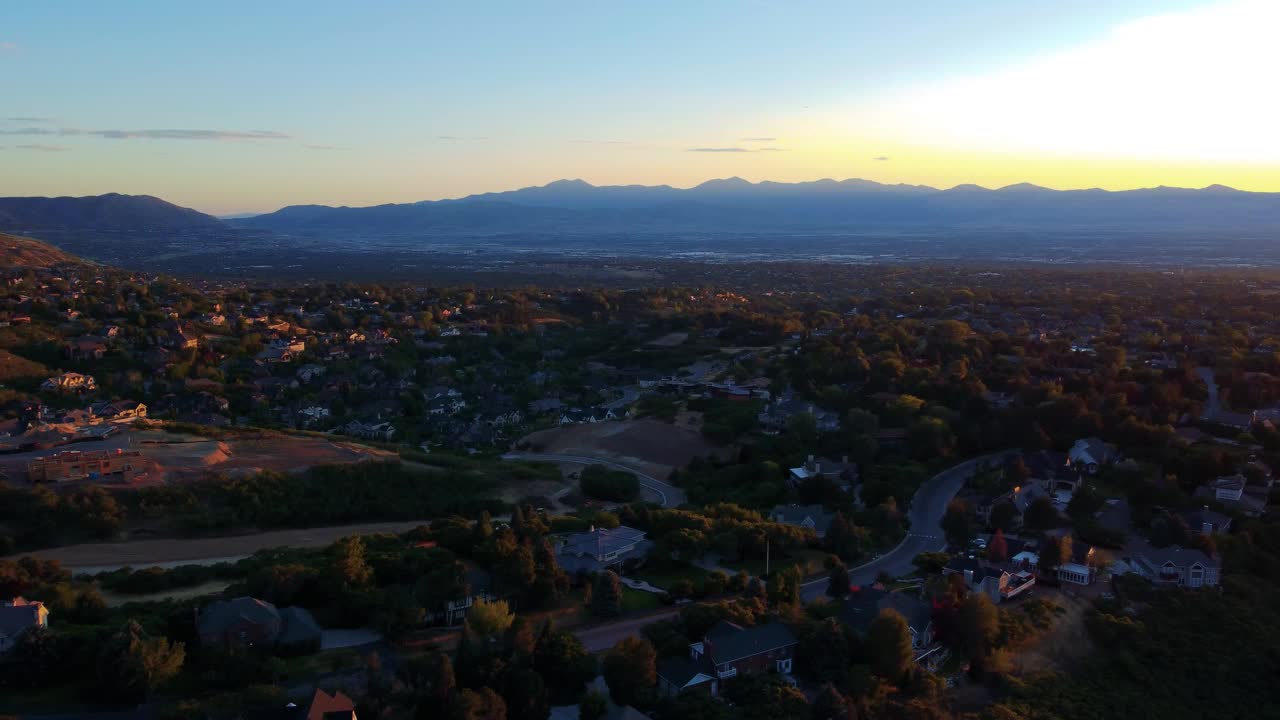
{"x":567,"y":184}
{"x":968,"y":187}
{"x":728,"y":183}
{"x":1023,"y":187}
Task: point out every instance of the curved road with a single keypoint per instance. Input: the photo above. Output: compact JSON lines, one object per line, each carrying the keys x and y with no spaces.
{"x":927,"y":508}
{"x":671,"y":495}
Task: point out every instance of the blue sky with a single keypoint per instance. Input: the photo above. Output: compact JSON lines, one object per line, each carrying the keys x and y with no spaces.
{"x":358,"y":103}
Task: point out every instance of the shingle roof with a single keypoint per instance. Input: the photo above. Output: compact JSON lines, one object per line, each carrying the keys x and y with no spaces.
{"x":220,"y":616}
{"x":680,"y":670}
{"x":17,"y":619}
{"x":731,"y":642}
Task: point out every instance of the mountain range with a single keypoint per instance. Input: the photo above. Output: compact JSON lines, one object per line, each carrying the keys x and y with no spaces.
{"x":726,"y":205}
{"x":735,"y":204}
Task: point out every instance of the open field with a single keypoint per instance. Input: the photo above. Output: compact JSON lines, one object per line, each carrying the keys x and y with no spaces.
{"x":651,"y":446}
{"x":175,"y":457}
{"x":101,"y":557}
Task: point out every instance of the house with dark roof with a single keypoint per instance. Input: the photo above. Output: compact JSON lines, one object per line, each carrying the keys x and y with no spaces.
{"x":843,"y":472}
{"x":726,"y":651}
{"x":250,"y":622}
{"x":992,"y":580}
{"x":601,"y":548}
{"x":1173,"y":565}
{"x":1236,"y":493}
{"x":1208,"y":522}
{"x":865,"y":603}
{"x":1092,"y":454}
{"x":812,"y":517}
{"x":17,"y":616}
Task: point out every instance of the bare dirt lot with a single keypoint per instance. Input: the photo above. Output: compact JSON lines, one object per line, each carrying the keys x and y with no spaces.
{"x":174,"y":457}
{"x":97,"y":557}
{"x":651,"y":446}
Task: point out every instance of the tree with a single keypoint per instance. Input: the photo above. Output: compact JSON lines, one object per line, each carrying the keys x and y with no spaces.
{"x":838,"y":581}
{"x":1041,"y":514}
{"x":526,"y":696}
{"x":998,"y":548}
{"x":606,"y":595}
{"x":955,"y":523}
{"x":889,"y":645}
{"x":766,"y":696}
{"x":825,"y":651}
{"x":131,"y":666}
{"x":784,"y":588}
{"x":1050,"y":554}
{"x":831,"y":704}
{"x":347,"y":564}
{"x":564,"y":663}
{"x":483,"y":704}
{"x":631,"y":671}
{"x":979,"y":626}
{"x":489,"y":618}
{"x":430,"y":680}
{"x":1004,"y":516}
{"x":594,"y":706}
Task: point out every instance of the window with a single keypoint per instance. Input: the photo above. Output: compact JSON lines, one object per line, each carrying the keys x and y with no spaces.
{"x":784,"y":666}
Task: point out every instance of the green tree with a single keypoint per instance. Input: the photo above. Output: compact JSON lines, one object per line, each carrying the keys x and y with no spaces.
{"x":979,"y":626}
{"x":564,"y":663}
{"x":825,"y":651}
{"x":766,"y":696}
{"x":489,"y":618}
{"x":630,"y":670}
{"x":482,"y":704}
{"x":888,"y":646}
{"x":838,"y":581}
{"x":606,"y":595}
{"x":831,"y":704}
{"x":955,"y":523}
{"x":347,"y":564}
{"x":526,"y":696}
{"x":784,"y":587}
{"x":131,"y":666}
{"x":1041,"y":514}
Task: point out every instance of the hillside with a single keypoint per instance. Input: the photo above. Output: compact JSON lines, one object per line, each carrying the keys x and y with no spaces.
{"x":111,"y":212}
{"x":24,"y":252}
{"x":735,"y":204}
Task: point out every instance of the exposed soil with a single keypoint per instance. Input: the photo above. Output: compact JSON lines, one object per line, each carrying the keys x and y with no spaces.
{"x":651,"y":446}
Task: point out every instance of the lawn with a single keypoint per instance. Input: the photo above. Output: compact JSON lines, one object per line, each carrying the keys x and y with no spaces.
{"x":809,"y":560}
{"x":666,"y":577}
{"x":639,"y":600}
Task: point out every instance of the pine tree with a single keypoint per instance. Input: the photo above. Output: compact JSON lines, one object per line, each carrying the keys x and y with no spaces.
{"x":606,"y":595}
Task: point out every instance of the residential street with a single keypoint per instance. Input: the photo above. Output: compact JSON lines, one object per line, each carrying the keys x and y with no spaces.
{"x":670,"y":495}
{"x":927,"y":509}
{"x":603,"y":637}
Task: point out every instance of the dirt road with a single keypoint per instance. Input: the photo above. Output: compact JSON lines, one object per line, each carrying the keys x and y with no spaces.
{"x":101,"y":557}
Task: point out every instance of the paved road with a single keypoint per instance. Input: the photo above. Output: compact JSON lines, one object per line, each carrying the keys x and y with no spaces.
{"x":671,"y":495}
{"x":1214,"y":405}
{"x":927,"y":509}
{"x":603,"y":637}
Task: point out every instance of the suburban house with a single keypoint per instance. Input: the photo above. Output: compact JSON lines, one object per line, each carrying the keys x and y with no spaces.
{"x":1207,"y":521}
{"x":1235,"y":492}
{"x":993,"y":581}
{"x":120,"y":410}
{"x":478,"y":584}
{"x":864,"y":603}
{"x":249,"y":622}
{"x":70,"y":382}
{"x":842,"y":472}
{"x":1092,"y":454}
{"x":813,"y":517}
{"x":726,"y":651}
{"x":18,"y":616}
{"x":383,"y":431}
{"x":1173,"y":565}
{"x":777,"y":414}
{"x":601,"y":548}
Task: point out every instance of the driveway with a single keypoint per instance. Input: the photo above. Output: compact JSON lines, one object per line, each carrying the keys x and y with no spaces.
{"x":927,"y":508}
{"x":669,"y":495}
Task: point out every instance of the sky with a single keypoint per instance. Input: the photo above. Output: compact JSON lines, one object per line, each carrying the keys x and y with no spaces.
{"x":234,"y":106}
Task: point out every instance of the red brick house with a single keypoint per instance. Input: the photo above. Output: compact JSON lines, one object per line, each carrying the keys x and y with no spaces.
{"x":727,"y":651}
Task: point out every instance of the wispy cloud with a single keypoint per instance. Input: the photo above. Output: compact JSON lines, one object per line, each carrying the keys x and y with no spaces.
{"x":42,"y":148}
{"x":735,"y":149}
{"x":7,"y":47}
{"x":29,"y":131}
{"x":881,"y":158}
{"x":187,"y":134}
{"x":759,"y":139}
{"x":29,"y":119}
{"x":599,"y":142}
{"x":310,"y":146}
{"x":460,"y":138}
